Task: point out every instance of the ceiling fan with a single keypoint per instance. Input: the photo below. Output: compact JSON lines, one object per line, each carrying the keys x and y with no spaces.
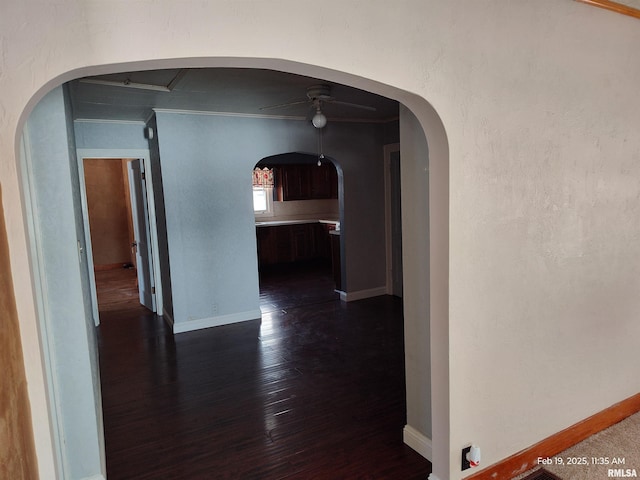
{"x":317,"y":95}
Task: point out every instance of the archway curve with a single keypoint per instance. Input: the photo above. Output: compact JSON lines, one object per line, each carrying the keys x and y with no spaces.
{"x":310,"y":158}
{"x":436,"y":163}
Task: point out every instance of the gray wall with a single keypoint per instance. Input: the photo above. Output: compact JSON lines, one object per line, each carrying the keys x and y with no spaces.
{"x":391,"y":132}
{"x":57,"y":223}
{"x":128,"y":138}
{"x":97,"y":134}
{"x":206,"y":170}
{"x":415,"y":260}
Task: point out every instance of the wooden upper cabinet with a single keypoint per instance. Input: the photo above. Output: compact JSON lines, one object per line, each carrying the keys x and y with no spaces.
{"x":306,"y":182}
{"x":324,"y":181}
{"x":296,"y":182}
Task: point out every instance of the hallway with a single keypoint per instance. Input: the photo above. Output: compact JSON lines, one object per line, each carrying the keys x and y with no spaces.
{"x":315,"y":390}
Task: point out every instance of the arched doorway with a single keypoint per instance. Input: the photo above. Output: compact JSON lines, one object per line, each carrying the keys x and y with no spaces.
{"x":431,"y":271}
{"x":298,"y":222}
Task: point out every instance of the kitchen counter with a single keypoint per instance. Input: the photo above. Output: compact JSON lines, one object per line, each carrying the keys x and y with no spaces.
{"x":276,"y":223}
{"x":286,"y":241}
{"x":300,"y":240}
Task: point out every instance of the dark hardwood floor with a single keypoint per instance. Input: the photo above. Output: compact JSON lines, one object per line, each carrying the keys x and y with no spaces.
{"x":314,"y":391}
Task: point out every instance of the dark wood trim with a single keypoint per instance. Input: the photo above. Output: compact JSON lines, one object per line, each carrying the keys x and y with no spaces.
{"x":614,"y":7}
{"x":108,"y":266}
{"x":528,"y":458}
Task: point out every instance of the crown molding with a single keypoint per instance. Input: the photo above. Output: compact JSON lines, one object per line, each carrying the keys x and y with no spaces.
{"x":99,"y":120}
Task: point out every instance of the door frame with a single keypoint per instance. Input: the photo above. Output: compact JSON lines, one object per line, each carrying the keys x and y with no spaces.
{"x":116,"y":154}
{"x":138,"y":202}
{"x":435,"y":159}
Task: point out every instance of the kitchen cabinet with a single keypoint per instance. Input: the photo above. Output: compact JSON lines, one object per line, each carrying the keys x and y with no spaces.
{"x":303,"y":242}
{"x":324,"y":181}
{"x":306,"y":182}
{"x":299,"y":242}
{"x":323,"y":244}
{"x":267,"y":245}
{"x":293,"y":243}
{"x":287,"y":243}
{"x":296,"y":182}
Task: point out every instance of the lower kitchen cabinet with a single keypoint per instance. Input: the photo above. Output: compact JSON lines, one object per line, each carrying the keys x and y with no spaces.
{"x":267,"y":245}
{"x":292,"y":243}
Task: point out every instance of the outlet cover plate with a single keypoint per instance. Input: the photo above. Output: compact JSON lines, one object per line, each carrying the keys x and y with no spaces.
{"x":465,"y":462}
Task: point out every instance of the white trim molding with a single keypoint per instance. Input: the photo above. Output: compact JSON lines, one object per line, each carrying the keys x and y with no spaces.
{"x":417,"y":441}
{"x":217,"y":321}
{"x":271,"y":117}
{"x":99,"y":120}
{"x":95,"y":477}
{"x":229,"y":114}
{"x":362,"y":294}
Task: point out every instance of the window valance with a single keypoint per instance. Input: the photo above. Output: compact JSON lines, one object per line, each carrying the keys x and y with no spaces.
{"x":263,"y":177}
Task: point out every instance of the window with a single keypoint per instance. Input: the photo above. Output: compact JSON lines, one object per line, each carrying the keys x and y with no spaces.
{"x":263,"y":201}
{"x":263,"y":192}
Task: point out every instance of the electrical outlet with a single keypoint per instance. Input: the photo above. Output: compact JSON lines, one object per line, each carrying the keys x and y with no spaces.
{"x":465,"y":462}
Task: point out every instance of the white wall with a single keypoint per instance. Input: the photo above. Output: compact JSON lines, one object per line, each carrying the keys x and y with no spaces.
{"x":545,"y":197}
{"x":325,"y":209}
{"x":539,"y":231}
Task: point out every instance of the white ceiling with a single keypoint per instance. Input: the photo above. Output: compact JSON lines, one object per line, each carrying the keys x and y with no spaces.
{"x":233,"y":90}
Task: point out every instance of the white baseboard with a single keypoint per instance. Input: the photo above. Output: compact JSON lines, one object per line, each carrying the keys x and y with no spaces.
{"x":200,"y":323}
{"x":362,"y":294}
{"x":95,"y":477}
{"x":418,"y":442}
{"x":432,"y":476}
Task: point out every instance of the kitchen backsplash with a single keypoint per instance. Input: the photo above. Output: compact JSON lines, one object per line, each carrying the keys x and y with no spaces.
{"x":304,"y":209}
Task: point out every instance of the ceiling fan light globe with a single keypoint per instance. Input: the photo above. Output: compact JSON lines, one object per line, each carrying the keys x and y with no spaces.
{"x":319,"y":120}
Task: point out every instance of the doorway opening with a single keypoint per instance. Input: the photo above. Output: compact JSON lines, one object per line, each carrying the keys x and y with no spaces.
{"x":443,"y":196}
{"x":111,"y":228}
{"x":120,"y":231}
{"x":297,"y":230}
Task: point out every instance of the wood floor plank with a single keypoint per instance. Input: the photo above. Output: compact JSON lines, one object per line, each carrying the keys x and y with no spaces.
{"x":314,"y":391}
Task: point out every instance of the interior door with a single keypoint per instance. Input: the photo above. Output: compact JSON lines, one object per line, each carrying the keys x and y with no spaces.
{"x":142,"y":244}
